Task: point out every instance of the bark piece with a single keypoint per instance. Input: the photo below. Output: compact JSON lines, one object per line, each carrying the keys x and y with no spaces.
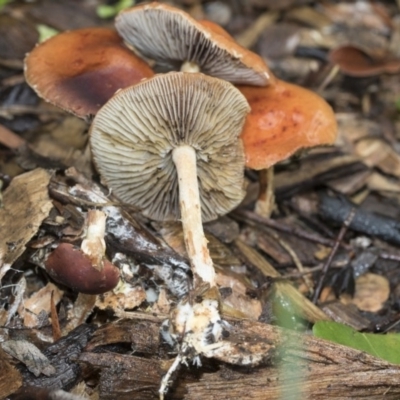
{"x":126,"y":377}
{"x":144,"y":335}
{"x":62,"y":356}
{"x":327,"y":371}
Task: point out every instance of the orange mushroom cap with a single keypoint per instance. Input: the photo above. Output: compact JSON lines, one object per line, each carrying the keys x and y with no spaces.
{"x":80,"y":70}
{"x":169,"y":35}
{"x":284,"y":118}
{"x":217,"y":29}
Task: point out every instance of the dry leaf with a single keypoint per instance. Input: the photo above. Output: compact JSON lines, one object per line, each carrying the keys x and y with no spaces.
{"x":26,"y":204}
{"x":10,"y":379}
{"x":371,"y":292}
{"x":39,"y":303}
{"x":29,"y":355}
{"x":377,"y":153}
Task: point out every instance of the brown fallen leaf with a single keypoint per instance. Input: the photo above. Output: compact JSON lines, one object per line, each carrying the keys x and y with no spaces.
{"x":11,"y":379}
{"x":39,"y":303}
{"x":26,"y":204}
{"x":377,"y":153}
{"x":371,"y":292}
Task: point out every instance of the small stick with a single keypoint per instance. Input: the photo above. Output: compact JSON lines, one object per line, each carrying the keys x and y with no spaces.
{"x":335,"y":247}
{"x":245,"y":215}
{"x":251,"y":217}
{"x":296,"y":261}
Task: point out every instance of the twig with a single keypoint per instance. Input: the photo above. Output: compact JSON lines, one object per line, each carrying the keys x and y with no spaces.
{"x":252,"y":218}
{"x":10,"y":139}
{"x":296,"y":261}
{"x":335,"y":247}
{"x":245,"y":216}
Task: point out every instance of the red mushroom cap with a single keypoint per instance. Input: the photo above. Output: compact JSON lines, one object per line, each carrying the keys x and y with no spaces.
{"x":69,"y":266}
{"x":80,"y":70}
{"x":284,"y":118}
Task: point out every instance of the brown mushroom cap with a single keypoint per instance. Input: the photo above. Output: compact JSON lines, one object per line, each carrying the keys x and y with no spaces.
{"x":171,"y":36}
{"x":284,"y":118}
{"x":80,"y":70}
{"x":219,"y":30}
{"x":134,"y":134}
{"x":69,"y":266}
{"x":355,"y":62}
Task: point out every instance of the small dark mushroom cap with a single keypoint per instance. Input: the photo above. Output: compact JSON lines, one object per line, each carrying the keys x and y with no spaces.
{"x":171,"y":36}
{"x":80,"y":70}
{"x":69,"y":266}
{"x":134,"y":134}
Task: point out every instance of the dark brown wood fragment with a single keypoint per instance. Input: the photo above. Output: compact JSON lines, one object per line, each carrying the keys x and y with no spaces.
{"x":144,"y":335}
{"x":125,"y":377}
{"x":346,"y":314}
{"x":62,"y":356}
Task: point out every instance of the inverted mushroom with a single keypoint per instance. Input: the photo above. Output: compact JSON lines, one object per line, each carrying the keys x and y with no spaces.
{"x":85,"y":269}
{"x":284,"y":118}
{"x":172,"y":37}
{"x":170,"y":145}
{"x":80,"y":70}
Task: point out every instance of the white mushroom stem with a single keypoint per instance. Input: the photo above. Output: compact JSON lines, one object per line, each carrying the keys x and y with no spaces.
{"x":184,"y":158}
{"x":93,"y":245}
{"x":189,"y":66}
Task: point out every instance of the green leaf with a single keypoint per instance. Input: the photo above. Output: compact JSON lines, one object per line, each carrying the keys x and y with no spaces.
{"x":398,"y":104}
{"x":379,"y":345}
{"x":108,"y":11}
{"x":4,"y":2}
{"x":45,"y":32}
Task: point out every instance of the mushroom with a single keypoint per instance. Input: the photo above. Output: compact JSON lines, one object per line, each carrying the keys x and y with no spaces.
{"x":170,"y":145}
{"x":85,"y":269}
{"x":80,"y":70}
{"x":355,"y":62}
{"x":284,"y":118}
{"x":172,"y":37}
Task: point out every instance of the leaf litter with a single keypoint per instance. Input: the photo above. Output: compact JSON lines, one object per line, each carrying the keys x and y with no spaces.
{"x":45,"y":203}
